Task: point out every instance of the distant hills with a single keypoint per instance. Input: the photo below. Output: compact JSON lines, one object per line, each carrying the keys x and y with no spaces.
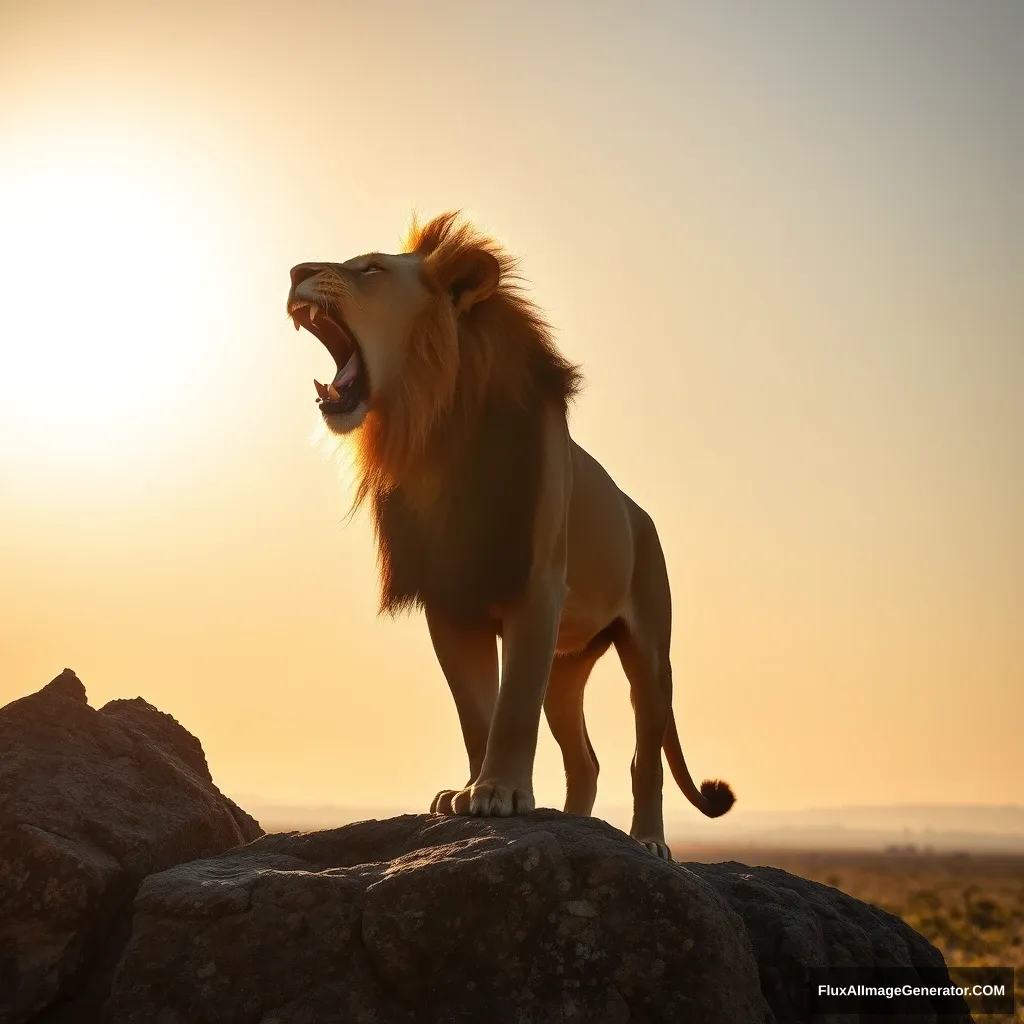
{"x":970,"y":828}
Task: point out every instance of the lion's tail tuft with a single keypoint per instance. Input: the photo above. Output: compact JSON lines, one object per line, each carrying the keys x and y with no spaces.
{"x":718,"y":796}
{"x":714,"y":797}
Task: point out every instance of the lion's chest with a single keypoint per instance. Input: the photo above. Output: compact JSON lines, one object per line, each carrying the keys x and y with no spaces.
{"x":472,"y":548}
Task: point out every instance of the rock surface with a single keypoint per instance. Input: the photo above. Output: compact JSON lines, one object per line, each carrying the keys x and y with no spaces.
{"x":536,"y":919}
{"x":796,"y":925}
{"x":90,"y":803}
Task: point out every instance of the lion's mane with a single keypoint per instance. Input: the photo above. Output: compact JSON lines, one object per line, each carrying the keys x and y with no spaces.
{"x":469,"y":415}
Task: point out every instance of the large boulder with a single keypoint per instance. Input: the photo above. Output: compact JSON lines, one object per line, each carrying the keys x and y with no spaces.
{"x":535,"y":919}
{"x":90,"y":803}
{"x":797,"y":926}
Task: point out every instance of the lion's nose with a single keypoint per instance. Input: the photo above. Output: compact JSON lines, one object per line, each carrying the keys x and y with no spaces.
{"x":303,"y":270}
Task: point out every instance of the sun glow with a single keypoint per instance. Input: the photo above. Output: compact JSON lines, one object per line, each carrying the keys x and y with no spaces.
{"x":107,"y":298}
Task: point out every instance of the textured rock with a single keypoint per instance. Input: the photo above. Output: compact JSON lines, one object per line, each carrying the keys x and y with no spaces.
{"x":796,"y":925}
{"x":91,"y":802}
{"x":535,"y":919}
{"x":428,"y":918}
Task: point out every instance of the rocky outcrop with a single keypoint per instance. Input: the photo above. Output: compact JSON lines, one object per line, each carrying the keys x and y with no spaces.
{"x":425,"y":919}
{"x":90,"y":803}
{"x":796,"y":925}
{"x":536,"y":919}
{"x":429,"y":918}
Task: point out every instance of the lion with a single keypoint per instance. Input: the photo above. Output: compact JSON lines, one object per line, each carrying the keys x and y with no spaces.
{"x":490,"y":518}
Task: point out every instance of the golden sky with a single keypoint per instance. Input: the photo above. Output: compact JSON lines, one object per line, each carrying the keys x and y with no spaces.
{"x":785,"y":241}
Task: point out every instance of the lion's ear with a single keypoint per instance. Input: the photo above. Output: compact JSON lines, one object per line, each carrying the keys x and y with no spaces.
{"x":471,"y":277}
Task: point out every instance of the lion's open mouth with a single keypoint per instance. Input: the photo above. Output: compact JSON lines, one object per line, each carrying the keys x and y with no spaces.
{"x":350,"y":385}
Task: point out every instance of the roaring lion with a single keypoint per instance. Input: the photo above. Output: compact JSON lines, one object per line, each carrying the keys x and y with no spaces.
{"x":492,"y":519}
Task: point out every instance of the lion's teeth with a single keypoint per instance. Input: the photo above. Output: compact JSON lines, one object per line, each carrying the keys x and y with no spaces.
{"x":295,"y":320}
{"x":321,"y":390}
{"x":314,"y":309}
{"x":332,"y":391}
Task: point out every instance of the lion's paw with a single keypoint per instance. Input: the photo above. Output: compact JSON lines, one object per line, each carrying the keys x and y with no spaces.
{"x":492,"y":800}
{"x":659,"y":849}
{"x":442,"y":803}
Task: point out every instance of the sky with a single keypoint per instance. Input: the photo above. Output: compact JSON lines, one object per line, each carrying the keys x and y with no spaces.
{"x":786,"y":243}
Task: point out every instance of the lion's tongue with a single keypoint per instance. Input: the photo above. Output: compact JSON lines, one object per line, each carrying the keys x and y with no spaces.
{"x":348,"y":372}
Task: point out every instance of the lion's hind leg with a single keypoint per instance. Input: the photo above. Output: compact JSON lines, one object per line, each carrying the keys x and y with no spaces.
{"x":563,"y":707}
{"x":642,"y":642}
{"x":650,"y":692}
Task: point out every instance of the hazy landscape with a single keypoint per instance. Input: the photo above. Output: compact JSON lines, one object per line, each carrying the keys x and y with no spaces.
{"x":785,"y":244}
{"x":939,"y":828}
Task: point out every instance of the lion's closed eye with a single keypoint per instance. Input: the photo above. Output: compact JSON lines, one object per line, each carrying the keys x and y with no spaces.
{"x":372,"y":268}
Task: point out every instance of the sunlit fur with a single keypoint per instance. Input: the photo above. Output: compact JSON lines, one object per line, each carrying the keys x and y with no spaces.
{"x":453,"y":362}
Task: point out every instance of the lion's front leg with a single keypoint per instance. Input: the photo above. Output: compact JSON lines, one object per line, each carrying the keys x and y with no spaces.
{"x":469,"y":660}
{"x":504,"y":783}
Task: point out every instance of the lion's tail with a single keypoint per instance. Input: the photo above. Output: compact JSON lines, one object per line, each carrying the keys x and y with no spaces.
{"x":714,"y":797}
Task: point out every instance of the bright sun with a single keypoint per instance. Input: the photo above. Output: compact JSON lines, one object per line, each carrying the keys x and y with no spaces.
{"x":107,"y":274}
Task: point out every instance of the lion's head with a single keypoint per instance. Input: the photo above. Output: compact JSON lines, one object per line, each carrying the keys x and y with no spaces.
{"x":422,"y":339}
